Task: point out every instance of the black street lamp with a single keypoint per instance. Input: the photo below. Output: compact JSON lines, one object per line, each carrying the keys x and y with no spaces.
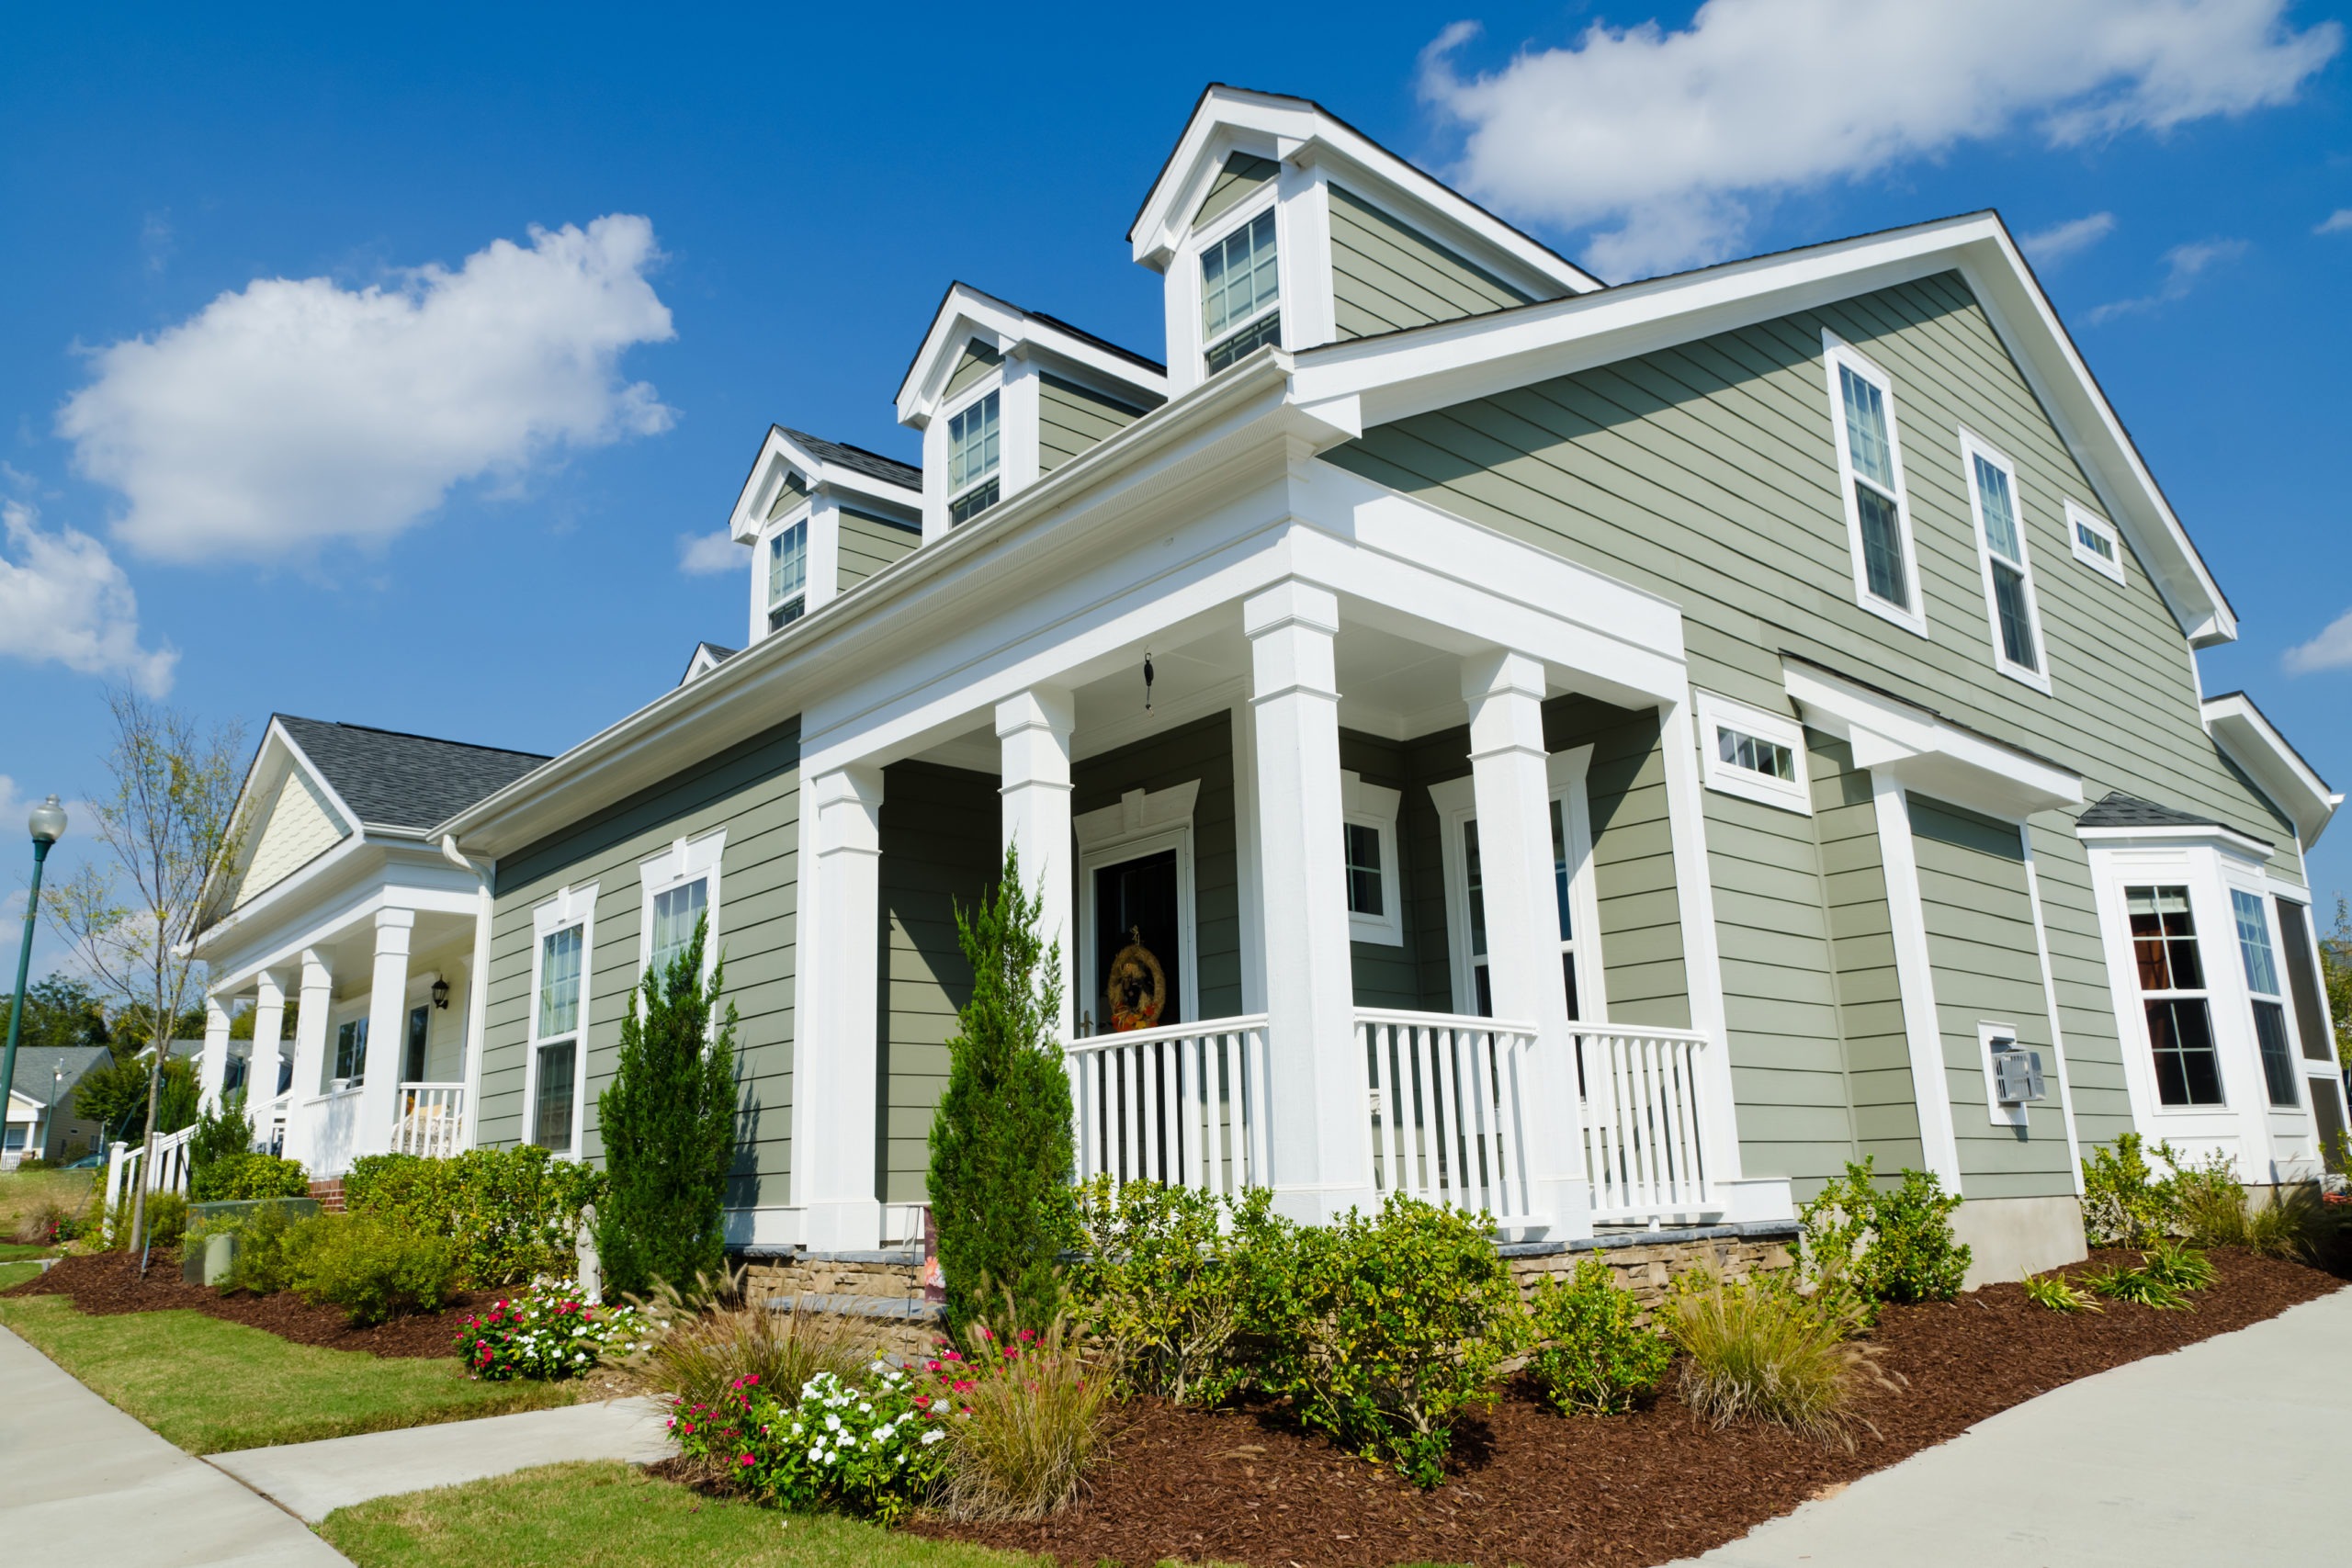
{"x":48,"y":825}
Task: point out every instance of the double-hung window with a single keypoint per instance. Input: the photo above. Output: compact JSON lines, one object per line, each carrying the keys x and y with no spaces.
{"x":1241,"y":292}
{"x":2008,"y":579}
{"x":1870,"y":473}
{"x":680,"y":892}
{"x":2173,"y":991}
{"x":675,"y":912}
{"x":788,"y":575}
{"x":973,"y":442}
{"x":559,"y":1018}
{"x":2269,"y":1002}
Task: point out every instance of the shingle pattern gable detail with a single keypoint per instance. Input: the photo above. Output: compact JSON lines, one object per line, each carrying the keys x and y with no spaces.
{"x":404,"y":780}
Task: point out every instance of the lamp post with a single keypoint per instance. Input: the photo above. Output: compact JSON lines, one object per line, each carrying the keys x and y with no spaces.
{"x":48,"y":825}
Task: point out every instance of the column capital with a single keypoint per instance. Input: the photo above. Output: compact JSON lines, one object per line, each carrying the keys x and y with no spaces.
{"x":1039,"y":707}
{"x":1505,"y":691}
{"x":317,"y":973}
{"x":848,"y":810}
{"x":266,"y":984}
{"x":393,"y":915}
{"x":1290,"y":602}
{"x":1502,"y":672}
{"x":216,"y":1014}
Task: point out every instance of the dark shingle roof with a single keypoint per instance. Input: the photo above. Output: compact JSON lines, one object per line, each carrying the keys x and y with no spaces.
{"x":718,"y":656}
{"x":2121,"y":810}
{"x":887,"y":469}
{"x":394,"y":780}
{"x":33,"y":1070}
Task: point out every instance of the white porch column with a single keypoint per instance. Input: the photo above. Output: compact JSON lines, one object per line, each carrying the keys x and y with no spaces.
{"x":1318,"y":1096}
{"x":1033,"y":735}
{"x":837,"y":1031}
{"x":269,"y":1035}
{"x":213,"y":1068}
{"x":1511,"y":785}
{"x":1702,"y":969}
{"x":387,"y":1031}
{"x":309,"y":1058}
{"x":476,"y":1017}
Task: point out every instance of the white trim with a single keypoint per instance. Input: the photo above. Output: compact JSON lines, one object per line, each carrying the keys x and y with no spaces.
{"x":1144,"y":822}
{"x":2049,"y":1004}
{"x":779,"y":452}
{"x":2081,"y":517}
{"x":567,"y":907}
{"x":1837,"y":355}
{"x":1248,"y":854}
{"x":2000,"y":1115}
{"x":1915,"y":977}
{"x":684,"y":860}
{"x":968,"y":312}
{"x":2255,"y":744}
{"x":1971,"y":450}
{"x":1372,"y":806}
{"x":1265,"y":199}
{"x":1720,"y":712}
{"x":1927,"y":751}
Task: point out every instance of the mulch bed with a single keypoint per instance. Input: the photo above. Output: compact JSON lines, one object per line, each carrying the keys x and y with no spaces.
{"x":1532,"y":1487}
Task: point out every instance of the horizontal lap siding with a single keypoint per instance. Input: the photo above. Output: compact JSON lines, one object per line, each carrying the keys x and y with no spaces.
{"x":870,"y":543}
{"x":752,"y":790}
{"x":1242,"y":177}
{"x":1072,"y":419}
{"x":1387,"y":274}
{"x":1861,"y":950}
{"x":942,"y":833}
{"x":1707,"y":473}
{"x":978,"y":360}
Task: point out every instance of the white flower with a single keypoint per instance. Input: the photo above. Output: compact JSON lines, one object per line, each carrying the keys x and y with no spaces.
{"x":932,"y":1436}
{"x":832,"y":1422}
{"x":817,"y":1455}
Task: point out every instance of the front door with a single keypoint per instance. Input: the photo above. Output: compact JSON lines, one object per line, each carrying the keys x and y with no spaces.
{"x":1135,"y":980}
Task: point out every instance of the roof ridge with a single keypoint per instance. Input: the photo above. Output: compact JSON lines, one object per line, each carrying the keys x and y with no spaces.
{"x":413,"y":735}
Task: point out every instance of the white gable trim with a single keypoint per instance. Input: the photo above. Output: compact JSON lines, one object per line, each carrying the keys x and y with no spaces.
{"x":779,"y":452}
{"x":2254,"y":743}
{"x":967,"y":313}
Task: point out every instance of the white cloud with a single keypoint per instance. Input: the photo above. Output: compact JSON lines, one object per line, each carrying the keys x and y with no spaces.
{"x":64,"y":598}
{"x":2332,"y":649}
{"x":296,"y":412}
{"x":1671,"y":140}
{"x":2184,"y":264}
{"x":703,"y":555}
{"x":2336,"y":222}
{"x":2061,"y":243}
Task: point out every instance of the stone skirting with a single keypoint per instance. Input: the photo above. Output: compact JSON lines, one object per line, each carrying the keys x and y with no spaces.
{"x":881,"y":1290}
{"x":1646,"y":1262}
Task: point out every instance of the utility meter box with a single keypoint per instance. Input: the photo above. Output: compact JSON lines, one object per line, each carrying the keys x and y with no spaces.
{"x":2017,"y":1075}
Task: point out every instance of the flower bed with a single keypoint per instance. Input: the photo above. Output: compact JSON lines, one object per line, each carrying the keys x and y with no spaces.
{"x":873,"y":1446}
{"x":545,"y":1334}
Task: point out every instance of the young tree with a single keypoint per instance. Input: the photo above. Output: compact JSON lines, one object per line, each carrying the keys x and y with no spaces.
{"x":2336,"y":959}
{"x":165,"y":823}
{"x":668,"y":1119}
{"x":1001,"y":1154}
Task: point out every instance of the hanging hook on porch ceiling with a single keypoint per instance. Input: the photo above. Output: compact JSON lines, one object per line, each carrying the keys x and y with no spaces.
{"x":1146,"y":679}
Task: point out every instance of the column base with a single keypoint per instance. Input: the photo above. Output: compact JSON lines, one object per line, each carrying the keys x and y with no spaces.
{"x":1756,"y":1198}
{"x":1324,"y":1205}
{"x":853,"y":1225}
{"x":1566,"y":1204}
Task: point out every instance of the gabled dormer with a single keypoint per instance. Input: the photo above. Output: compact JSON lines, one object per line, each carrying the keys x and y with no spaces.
{"x":821,"y":517}
{"x":1004,"y":396}
{"x":1275,"y":221}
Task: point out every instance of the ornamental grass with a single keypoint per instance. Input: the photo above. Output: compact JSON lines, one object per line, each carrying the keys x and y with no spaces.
{"x":1761,"y":1350}
{"x":1031,"y":1417}
{"x":702,"y":1346}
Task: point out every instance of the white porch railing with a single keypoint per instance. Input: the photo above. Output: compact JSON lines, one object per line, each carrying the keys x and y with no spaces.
{"x":1185,"y":1105}
{"x":1449,"y":1109}
{"x":335,"y":1138}
{"x":432,"y":1120}
{"x":127,"y":1163}
{"x":1643,"y":1134}
{"x":269,"y":1123}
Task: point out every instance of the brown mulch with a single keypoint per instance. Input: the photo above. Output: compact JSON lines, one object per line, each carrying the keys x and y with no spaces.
{"x":1530,"y":1487}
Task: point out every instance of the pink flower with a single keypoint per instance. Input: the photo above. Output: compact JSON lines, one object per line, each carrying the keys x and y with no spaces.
{"x":1027,"y":1334}
{"x":747,"y":1461}
{"x":690,"y":1428}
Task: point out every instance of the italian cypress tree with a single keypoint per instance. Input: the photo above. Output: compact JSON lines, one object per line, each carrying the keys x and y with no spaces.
{"x":1001,"y":1154}
{"x":668,"y":1119}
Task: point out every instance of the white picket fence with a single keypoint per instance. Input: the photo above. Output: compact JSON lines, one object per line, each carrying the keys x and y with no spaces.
{"x":1644,"y":1130}
{"x":432,"y":1120}
{"x":127,"y":1164}
{"x":1450,"y":1104}
{"x":1185,"y":1105}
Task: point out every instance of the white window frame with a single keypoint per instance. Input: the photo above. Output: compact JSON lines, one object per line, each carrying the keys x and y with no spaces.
{"x":2081,"y":517}
{"x":803,"y":517}
{"x":1717,"y":713}
{"x":2257,"y":888}
{"x":1457,"y":806}
{"x":569,"y":907}
{"x":1836,"y":354}
{"x":684,"y":860}
{"x":350,"y":1012}
{"x":989,"y":386}
{"x":1144,"y":822}
{"x":1374,"y":806}
{"x":1267,"y":198}
{"x":1970,"y":449}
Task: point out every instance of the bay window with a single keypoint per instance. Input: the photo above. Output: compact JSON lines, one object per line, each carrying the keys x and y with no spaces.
{"x":2173,"y":996}
{"x":2269,"y":1002}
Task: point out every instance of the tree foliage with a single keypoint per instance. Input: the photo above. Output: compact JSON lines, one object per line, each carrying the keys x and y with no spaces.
{"x":1001,"y":1155}
{"x":2336,"y":959}
{"x":63,"y":1013}
{"x":668,"y":1120}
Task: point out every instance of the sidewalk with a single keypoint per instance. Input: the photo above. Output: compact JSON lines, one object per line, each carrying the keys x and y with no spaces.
{"x":2223,"y":1453}
{"x":313,"y":1480}
{"x":78,"y":1478}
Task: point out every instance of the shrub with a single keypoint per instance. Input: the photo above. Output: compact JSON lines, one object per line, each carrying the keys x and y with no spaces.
{"x":870,"y":1446}
{"x":1593,"y":1355}
{"x":1885,"y":1244}
{"x":1381,"y":1331}
{"x":221,"y":1133}
{"x":33,"y":1163}
{"x":1029,"y":1421}
{"x":2180,"y":1266}
{"x":2058,"y":1293}
{"x":1000,"y":1156}
{"x":2124,"y":1202}
{"x":1162,"y":1285}
{"x":511,"y":1215}
{"x":668,"y":1120}
{"x":263,"y":1265}
{"x":547,"y":1333}
{"x":1764,"y":1351}
{"x":2163,"y":1279}
{"x":246,"y":1175}
{"x":697,"y":1357}
{"x":374,"y":1269}
{"x":166,"y":1221}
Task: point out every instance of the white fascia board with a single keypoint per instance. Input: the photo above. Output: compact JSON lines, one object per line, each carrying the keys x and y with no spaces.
{"x":968,"y":312}
{"x":347,"y":888}
{"x":1928,"y":752}
{"x":2254,"y":743}
{"x":749,"y":518}
{"x":1228,"y":118}
{"x":2186,"y":835}
{"x":1399,"y":374}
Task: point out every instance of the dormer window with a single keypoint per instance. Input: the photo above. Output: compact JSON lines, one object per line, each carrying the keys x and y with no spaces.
{"x":788,"y":575}
{"x":1241,"y":292}
{"x":973,"y":444}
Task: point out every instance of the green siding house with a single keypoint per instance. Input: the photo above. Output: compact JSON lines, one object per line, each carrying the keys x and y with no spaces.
{"x":1603,"y":756}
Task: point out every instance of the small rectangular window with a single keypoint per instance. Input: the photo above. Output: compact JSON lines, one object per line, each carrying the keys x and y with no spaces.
{"x":351,"y":1050}
{"x":1241,"y":292}
{"x":1751,"y":753}
{"x":676,"y":911}
{"x":973,"y":451}
{"x":558,"y":1070}
{"x":1363,"y":870}
{"x":787,"y":574}
{"x":2094,"y":542}
{"x":2269,"y":1002}
{"x":2008,"y":574}
{"x":2172,"y":988}
{"x":1869,"y":464}
{"x":1368,"y":856}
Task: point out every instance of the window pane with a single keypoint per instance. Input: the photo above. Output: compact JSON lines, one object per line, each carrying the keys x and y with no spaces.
{"x":1266,"y":329}
{"x":2277,"y":1060}
{"x":2017,"y":623}
{"x":1866,"y":438}
{"x":788,"y":562}
{"x":1482,"y":1001}
{"x":1882,"y":546}
{"x":972,"y":445}
{"x":1363,"y":849}
{"x":2253,"y":944}
{"x":2000,"y":512}
{"x":674,"y":914}
{"x":560,"y":982}
{"x":2093,"y":540}
{"x":1477,"y":892}
{"x":1239,"y":277}
{"x":551,"y":1117}
{"x":1755,"y":756}
{"x":1568,"y":980}
{"x":2310,"y":1016}
{"x":351,"y":1050}
{"x":2181,"y":1034}
{"x":2163,"y":939}
{"x":784,"y":614}
{"x":1560,"y":869}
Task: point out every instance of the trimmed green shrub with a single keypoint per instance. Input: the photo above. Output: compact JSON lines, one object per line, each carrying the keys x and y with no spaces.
{"x":668,"y":1120}
{"x":373,"y":1268}
{"x":223,"y":1133}
{"x":166,"y":1221}
{"x":1763,"y":1350}
{"x":246,"y":1175}
{"x":262,"y":1264}
{"x":510,"y":1213}
{"x":1885,"y":1244}
{"x":1000,"y":1156}
{"x":2124,"y":1202}
{"x":1593,"y":1354}
{"x":1162,"y":1282}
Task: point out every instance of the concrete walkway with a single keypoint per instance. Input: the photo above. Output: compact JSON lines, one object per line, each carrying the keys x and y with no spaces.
{"x":313,"y":1480}
{"x":79,"y":1480}
{"x":2227,"y":1451}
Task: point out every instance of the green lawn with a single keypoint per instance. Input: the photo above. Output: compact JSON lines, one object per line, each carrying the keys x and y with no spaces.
{"x":17,"y":1251}
{"x":17,"y":1273}
{"x":611,"y":1516}
{"x":210,"y":1386}
{"x":22,"y":1191}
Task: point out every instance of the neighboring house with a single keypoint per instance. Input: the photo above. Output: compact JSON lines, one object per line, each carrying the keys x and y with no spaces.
{"x":1608,"y":756}
{"x":41,"y":1118}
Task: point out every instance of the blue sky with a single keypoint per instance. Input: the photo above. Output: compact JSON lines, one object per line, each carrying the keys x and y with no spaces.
{"x":460,"y":503}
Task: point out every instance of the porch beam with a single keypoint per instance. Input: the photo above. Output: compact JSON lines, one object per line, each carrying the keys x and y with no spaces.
{"x":837,"y":1031}
{"x":379,"y":1091}
{"x":1034,"y":738}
